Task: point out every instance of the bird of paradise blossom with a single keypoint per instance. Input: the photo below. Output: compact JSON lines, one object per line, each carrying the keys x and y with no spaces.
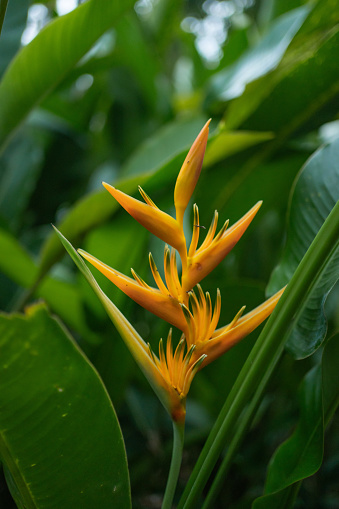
{"x":179,"y":298}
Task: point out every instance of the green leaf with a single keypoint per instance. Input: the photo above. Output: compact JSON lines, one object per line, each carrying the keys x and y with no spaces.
{"x":301,"y":455}
{"x":258,"y":61}
{"x":22,"y":163}
{"x":46,"y":60}
{"x":140,"y":58}
{"x":271,"y":103}
{"x":63,"y":297}
{"x":227,"y":143}
{"x":60,"y":440}
{"x":3,"y":7}
{"x":110,"y":242}
{"x":132,"y":339}
{"x":155,"y":164}
{"x":87,"y":213}
{"x":315,"y":193}
{"x":170,"y":141}
{"x":15,"y":22}
{"x":246,"y":393}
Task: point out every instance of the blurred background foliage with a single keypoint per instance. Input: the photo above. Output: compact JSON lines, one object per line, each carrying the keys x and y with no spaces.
{"x":267,"y":73}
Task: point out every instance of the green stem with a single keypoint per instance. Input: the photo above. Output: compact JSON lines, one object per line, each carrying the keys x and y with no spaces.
{"x":178,"y":444}
{"x":265,"y":354}
{"x":246,"y":420}
{"x":3,"y":7}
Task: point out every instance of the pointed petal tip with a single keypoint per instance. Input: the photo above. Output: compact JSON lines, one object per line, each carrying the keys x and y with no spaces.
{"x":108,"y":186}
{"x":190,"y":172}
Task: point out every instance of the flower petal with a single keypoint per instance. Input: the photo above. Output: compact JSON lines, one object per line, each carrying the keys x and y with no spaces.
{"x":151,"y":299}
{"x":205,"y":260}
{"x":224,"y":338}
{"x":190,"y":172}
{"x":173,"y":403}
{"x":155,"y":220}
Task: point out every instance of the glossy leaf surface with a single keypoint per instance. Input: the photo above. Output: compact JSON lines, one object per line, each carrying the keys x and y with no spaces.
{"x":60,"y":443}
{"x":315,"y":193}
{"x":301,"y":455}
{"x":44,"y":62}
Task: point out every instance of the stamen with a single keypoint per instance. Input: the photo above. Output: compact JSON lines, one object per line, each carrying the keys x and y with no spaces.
{"x":191,"y":372}
{"x":169,"y":353}
{"x":191,"y":325}
{"x":168,"y":274}
{"x":195,"y":235}
{"x":198,"y":310}
{"x":157,"y":278}
{"x":162,"y":358}
{"x":216,"y":315}
{"x":174,"y":272}
{"x":178,"y":356}
{"x":147,"y":198}
{"x":184,"y":366}
{"x":210,"y":234}
{"x":151,"y":354}
{"x":139,"y":280}
{"x":222,"y":231}
{"x":232,"y":324}
{"x":207,"y":318}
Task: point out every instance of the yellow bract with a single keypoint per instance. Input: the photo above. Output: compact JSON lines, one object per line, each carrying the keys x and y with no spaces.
{"x":189,"y":173}
{"x":175,"y":299}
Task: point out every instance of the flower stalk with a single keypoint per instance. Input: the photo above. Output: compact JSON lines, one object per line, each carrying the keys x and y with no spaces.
{"x":178,"y":298}
{"x":178,"y":445}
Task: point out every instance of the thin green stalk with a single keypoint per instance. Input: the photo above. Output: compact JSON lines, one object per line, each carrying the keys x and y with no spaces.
{"x":3,"y":7}
{"x":265,"y":354}
{"x":178,"y":444}
{"x":246,"y":420}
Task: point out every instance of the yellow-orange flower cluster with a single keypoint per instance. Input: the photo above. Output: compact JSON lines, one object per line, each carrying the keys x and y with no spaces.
{"x":174,"y":299}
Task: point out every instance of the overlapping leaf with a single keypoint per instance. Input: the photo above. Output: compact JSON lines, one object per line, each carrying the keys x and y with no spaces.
{"x":301,"y":455}
{"x":60,"y":441}
{"x":44,"y":62}
{"x":14,"y":24}
{"x":257,"y":62}
{"x":315,"y":193}
{"x":260,"y":106}
{"x":62,"y":297}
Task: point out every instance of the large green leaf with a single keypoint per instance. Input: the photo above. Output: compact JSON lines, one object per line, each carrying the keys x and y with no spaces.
{"x":315,"y":193}
{"x":3,"y":7}
{"x":247,"y":391}
{"x":20,"y":168}
{"x":301,"y":455}
{"x":140,"y":58}
{"x":275,"y":102}
{"x":44,"y":62}
{"x":258,"y":61}
{"x":60,"y":440}
{"x":15,"y":22}
{"x":63,"y":297}
{"x":110,"y":242}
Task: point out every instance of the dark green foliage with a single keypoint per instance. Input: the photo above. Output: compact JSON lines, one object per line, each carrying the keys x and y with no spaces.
{"x":126,"y":111}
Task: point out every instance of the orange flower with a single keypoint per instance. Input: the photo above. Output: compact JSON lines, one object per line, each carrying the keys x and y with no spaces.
{"x":189,"y":173}
{"x":158,"y":301}
{"x":174,"y":299}
{"x":214,"y":342}
{"x":213,"y":250}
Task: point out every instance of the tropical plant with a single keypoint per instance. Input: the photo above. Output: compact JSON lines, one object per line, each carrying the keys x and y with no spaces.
{"x":108,"y":92}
